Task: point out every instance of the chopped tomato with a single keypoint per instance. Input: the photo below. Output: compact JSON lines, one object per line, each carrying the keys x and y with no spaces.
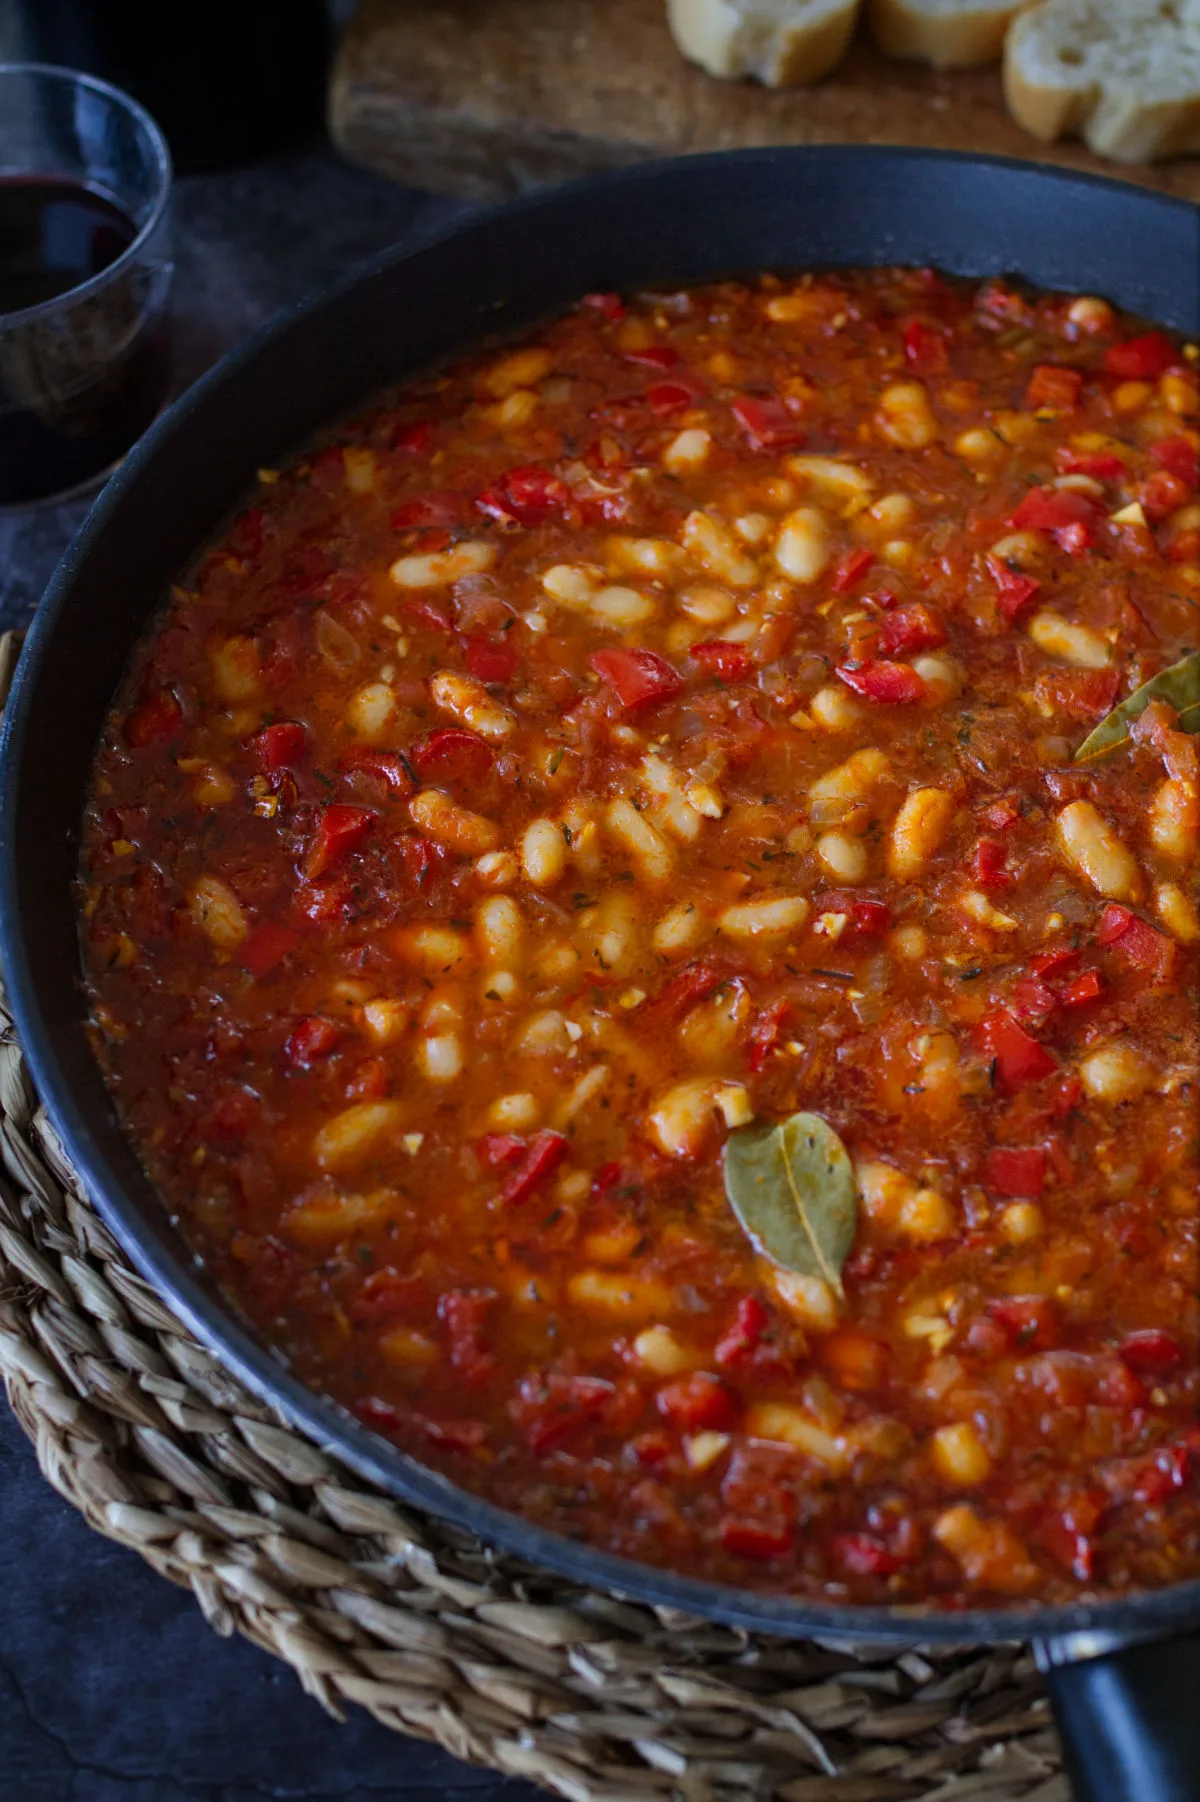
{"x":1102,"y":466}
{"x":1087,"y":986}
{"x":760,"y":1539}
{"x":416,"y":439}
{"x":552,"y":1409}
{"x":766,"y":422}
{"x":341,"y":829}
{"x":1141,"y":359}
{"x":875,"y":680}
{"x":637,"y":678}
{"x":451,"y":754}
{"x":490,"y":663}
{"x":988,"y":865}
{"x":1072,"y":519}
{"x":765,"y":1033}
{"x":1180,"y":457}
{"x":545,"y":1153}
{"x":744,"y":1335}
{"x":655,"y":356}
{"x":849,"y":569}
{"x":728,"y":662}
{"x":1016,"y":1171}
{"x":907,"y":630}
{"x":1138,"y":944}
{"x":1151,"y":1352}
{"x":666,"y":398}
{"x":388,"y":767}
{"x":464,"y":1313}
{"x":611,"y":306}
{"x":865,"y":917}
{"x":865,"y":1556}
{"x":154,"y":720}
{"x":1014,"y":590}
{"x":266,"y":947}
{"x":697,"y":1403}
{"x":387,"y":1294}
{"x":438,"y":511}
{"x":1019,"y":1060}
{"x":1029,"y":1321}
{"x":925,"y":348}
{"x":527,"y":496}
{"x":311,"y":1039}
{"x":1050,"y":385}
{"x":279,"y":747}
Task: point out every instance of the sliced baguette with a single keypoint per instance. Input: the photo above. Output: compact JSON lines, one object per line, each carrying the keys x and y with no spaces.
{"x":780,"y":42}
{"x":950,"y":34}
{"x":1122,"y":74}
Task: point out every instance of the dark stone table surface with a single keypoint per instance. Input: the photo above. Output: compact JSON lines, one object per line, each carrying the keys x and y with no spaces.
{"x":112,"y":1688}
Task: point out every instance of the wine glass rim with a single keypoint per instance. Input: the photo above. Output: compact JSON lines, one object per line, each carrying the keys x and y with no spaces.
{"x":163,"y":175}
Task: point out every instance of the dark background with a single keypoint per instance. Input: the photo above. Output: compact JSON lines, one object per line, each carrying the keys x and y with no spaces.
{"x":112,"y":1688}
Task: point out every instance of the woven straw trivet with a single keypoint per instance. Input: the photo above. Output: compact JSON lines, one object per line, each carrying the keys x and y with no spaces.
{"x":597,"y":1699}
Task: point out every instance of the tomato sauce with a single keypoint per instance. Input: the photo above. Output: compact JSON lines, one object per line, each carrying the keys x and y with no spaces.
{"x":660,"y":726}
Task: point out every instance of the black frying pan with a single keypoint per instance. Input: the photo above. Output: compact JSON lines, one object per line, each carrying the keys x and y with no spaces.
{"x":1125,"y":1675}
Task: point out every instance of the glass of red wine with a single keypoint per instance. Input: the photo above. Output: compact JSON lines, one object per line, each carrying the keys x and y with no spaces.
{"x":85,"y":267}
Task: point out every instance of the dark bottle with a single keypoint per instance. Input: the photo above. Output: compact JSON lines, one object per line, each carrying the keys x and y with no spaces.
{"x":75,"y":389}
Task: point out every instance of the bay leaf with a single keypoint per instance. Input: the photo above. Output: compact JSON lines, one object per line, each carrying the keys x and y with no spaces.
{"x":791,"y":1185}
{"x":1179,"y":685}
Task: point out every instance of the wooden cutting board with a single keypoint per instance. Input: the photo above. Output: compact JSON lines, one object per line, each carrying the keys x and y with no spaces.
{"x":486,"y":98}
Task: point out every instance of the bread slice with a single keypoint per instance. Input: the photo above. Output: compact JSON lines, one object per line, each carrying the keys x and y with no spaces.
{"x":781,"y":42}
{"x":1122,"y":74}
{"x":950,"y":34}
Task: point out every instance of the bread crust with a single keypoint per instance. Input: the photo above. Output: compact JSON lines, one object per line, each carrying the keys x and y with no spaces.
{"x":1117,"y":122}
{"x":781,"y":54}
{"x":964,"y":37}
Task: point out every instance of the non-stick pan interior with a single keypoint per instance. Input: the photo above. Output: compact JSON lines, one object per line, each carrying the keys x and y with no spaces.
{"x":675,"y":223}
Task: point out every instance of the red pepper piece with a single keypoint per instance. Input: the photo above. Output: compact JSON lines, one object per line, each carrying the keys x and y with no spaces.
{"x":415,"y":439}
{"x":655,"y":356}
{"x":545,"y":1153}
{"x":609,"y":306}
{"x":550,"y":1409}
{"x":463,"y":1313}
{"x":907,"y":630}
{"x":1013,"y":589}
{"x":637,"y":678}
{"x":1017,"y":1171}
{"x":341,"y":829}
{"x":387,"y":1294}
{"x":1140,"y":359}
{"x":1001,"y":815}
{"x":987,"y":865}
{"x":1151,"y":1352}
{"x":155,"y":719}
{"x":744,"y":1335}
{"x":279,"y":747}
{"x":387,"y":767}
{"x":1088,"y":986}
{"x":889,"y":683}
{"x":1055,"y":963}
{"x":690,"y":985}
{"x":865,"y":918}
{"x":1073,"y":519}
{"x":665,"y":398}
{"x":1102,"y":466}
{"x":1019,"y":1060}
{"x":527,"y":496}
{"x":760,"y":1539}
{"x":501,"y":1149}
{"x":925,"y":348}
{"x":451,"y":754}
{"x":697,"y":1403}
{"x":427,"y":613}
{"x":490,"y":663}
{"x":311,"y":1039}
{"x":850,"y":568}
{"x":1138,"y":944}
{"x":650,"y":1449}
{"x":864,"y":1555}
{"x":377,"y":1414}
{"x":766,"y":422}
{"x":266,"y":947}
{"x":439,"y":510}
{"x":1180,"y":457}
{"x":728,"y":662}
{"x":1028,"y":1320}
{"x":1050,"y":385}
{"x":1032,"y":1000}
{"x":765,"y":1033}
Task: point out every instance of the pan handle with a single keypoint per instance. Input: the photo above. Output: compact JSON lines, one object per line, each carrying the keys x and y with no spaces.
{"x":1128,"y":1714}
